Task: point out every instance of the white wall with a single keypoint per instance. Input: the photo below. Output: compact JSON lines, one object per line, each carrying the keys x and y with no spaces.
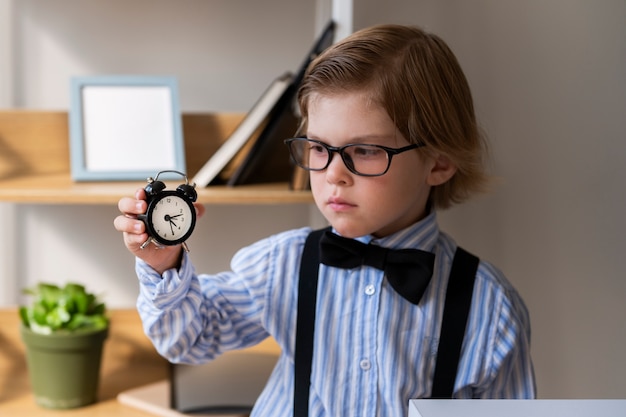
{"x":548,"y":81}
{"x":223,"y":52}
{"x":548,"y":78}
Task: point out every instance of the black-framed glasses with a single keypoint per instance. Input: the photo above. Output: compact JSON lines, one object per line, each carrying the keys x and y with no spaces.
{"x":361,"y":159}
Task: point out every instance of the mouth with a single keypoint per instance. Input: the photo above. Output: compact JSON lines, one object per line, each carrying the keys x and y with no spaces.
{"x":339,"y":204}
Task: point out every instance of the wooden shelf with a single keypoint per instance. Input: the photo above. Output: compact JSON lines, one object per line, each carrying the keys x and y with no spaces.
{"x":60,"y":189}
{"x":129,"y":360}
{"x":35,"y":166}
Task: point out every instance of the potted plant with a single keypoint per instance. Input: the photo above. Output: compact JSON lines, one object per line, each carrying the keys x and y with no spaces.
{"x":64,"y":329}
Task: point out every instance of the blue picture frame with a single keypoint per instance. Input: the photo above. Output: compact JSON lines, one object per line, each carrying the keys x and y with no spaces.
{"x":124,"y":128}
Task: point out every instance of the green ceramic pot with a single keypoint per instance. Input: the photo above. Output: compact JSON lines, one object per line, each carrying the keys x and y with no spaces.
{"x":64,"y":368}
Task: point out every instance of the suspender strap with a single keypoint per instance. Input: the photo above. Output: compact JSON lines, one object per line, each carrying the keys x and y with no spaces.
{"x":455,"y":313}
{"x":307,"y":297}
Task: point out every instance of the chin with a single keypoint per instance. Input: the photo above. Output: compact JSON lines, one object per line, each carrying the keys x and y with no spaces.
{"x":347,"y":225}
{"x":349,"y":231}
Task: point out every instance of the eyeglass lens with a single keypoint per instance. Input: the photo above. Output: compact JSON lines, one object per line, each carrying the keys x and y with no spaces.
{"x":360,"y":159}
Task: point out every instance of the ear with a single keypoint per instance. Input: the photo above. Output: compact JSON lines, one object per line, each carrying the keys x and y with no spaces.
{"x":442,"y":170}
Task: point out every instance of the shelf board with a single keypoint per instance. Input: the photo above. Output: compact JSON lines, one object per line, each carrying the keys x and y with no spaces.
{"x":35,"y":163}
{"x":60,"y":189}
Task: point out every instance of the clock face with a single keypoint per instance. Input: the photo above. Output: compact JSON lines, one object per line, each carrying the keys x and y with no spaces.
{"x":171,"y":218}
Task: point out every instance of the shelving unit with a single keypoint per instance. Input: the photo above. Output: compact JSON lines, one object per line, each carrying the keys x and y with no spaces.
{"x":35,"y":165}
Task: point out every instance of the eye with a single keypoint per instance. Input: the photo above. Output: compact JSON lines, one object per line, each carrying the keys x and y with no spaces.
{"x":317,"y":148}
{"x":366,"y":152}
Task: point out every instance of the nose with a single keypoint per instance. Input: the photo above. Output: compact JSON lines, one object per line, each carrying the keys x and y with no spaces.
{"x":337,"y":171}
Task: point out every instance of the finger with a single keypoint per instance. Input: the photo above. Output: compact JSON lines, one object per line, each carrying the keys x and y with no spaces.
{"x":134,"y":242}
{"x":140,"y":194}
{"x":129,"y":224}
{"x":128,"y":205}
{"x":200,"y":209}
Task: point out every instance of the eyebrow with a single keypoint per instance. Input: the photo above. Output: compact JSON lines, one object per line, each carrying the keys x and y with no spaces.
{"x":373,"y":139}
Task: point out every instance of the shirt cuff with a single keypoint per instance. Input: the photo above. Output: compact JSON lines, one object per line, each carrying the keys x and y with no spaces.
{"x":167,"y":290}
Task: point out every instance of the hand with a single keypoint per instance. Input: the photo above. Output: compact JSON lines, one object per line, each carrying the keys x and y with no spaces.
{"x":134,"y":233}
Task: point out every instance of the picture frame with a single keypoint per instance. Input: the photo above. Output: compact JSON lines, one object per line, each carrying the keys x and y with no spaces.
{"x":124,"y":128}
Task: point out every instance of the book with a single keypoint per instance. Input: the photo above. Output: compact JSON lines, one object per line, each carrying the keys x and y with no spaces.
{"x":268,"y":159}
{"x":251,"y":123}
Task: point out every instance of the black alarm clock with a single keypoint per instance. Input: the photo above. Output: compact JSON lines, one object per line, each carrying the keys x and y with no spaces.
{"x":171,"y":216}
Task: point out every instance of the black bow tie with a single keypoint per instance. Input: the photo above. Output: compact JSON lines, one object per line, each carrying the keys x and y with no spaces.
{"x":407,"y":270}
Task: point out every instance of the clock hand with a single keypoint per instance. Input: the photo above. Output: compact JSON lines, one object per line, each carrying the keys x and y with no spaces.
{"x":168,"y":218}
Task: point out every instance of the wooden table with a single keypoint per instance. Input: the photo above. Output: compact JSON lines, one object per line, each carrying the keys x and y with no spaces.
{"x":129,"y":361}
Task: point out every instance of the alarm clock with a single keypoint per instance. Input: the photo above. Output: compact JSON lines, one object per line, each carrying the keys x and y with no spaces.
{"x":170,"y":217}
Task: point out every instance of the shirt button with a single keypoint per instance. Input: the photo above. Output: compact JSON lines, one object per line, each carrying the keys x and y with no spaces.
{"x":370,"y":290}
{"x":365,"y":364}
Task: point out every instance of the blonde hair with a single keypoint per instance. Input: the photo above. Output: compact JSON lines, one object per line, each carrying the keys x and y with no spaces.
{"x":417,"y":79}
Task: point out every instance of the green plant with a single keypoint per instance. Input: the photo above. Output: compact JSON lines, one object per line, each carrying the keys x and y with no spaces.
{"x":63,"y":309}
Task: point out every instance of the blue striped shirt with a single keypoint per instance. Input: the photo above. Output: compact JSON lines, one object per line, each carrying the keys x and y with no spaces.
{"x":373,"y":350}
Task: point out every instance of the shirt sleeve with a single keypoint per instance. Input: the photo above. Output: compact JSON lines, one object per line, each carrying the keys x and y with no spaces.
{"x":498,"y":363}
{"x":191,"y":318}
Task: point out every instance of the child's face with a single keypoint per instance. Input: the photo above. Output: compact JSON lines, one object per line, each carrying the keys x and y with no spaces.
{"x":357,"y":205}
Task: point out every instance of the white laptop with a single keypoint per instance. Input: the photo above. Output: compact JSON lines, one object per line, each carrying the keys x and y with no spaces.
{"x":517,"y":408}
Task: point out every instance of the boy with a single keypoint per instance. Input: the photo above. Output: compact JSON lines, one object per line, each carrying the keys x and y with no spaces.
{"x":389,"y":136}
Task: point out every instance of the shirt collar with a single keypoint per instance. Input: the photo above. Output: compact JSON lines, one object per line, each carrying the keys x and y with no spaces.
{"x":420,"y":235}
